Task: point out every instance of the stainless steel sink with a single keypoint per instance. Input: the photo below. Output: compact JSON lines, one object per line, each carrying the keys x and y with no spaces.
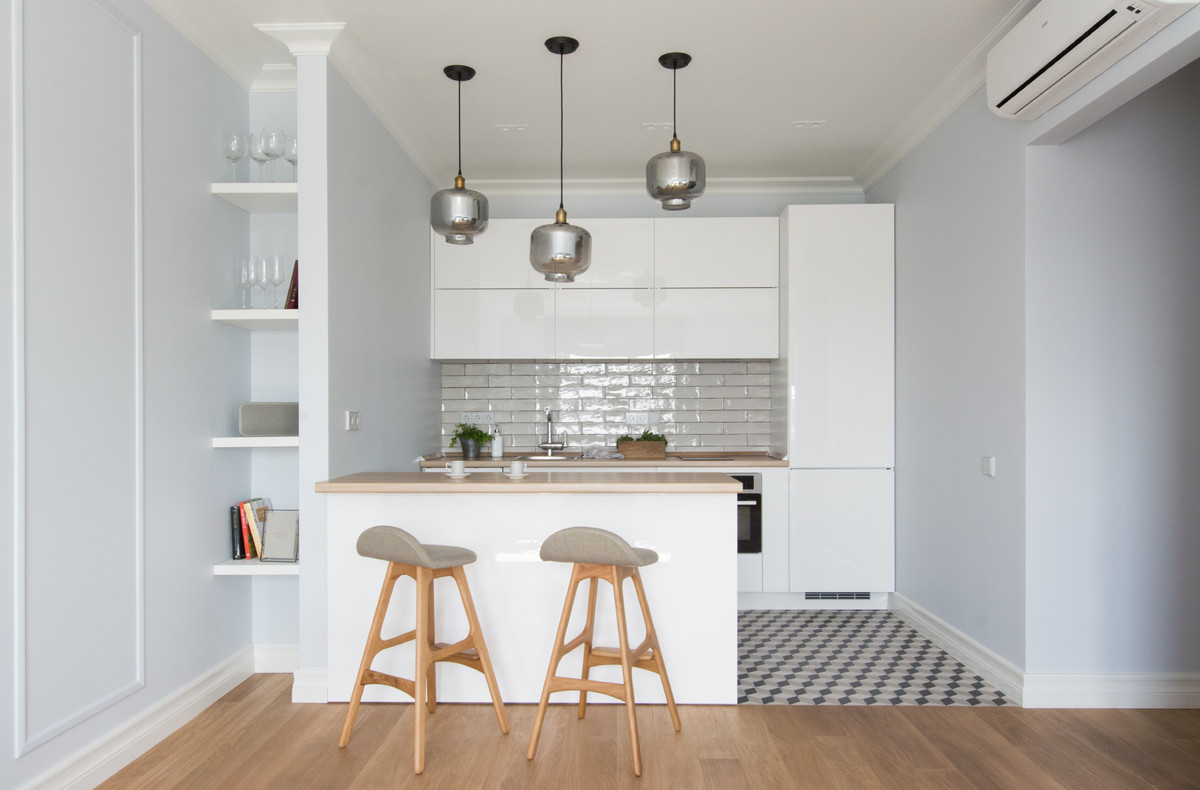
{"x":547,"y":457}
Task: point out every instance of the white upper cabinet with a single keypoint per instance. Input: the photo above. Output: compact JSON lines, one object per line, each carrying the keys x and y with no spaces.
{"x":716,"y":323}
{"x":622,"y":254}
{"x":493,"y":324}
{"x":498,"y":258}
{"x":716,"y":252}
{"x":841,"y":335}
{"x":604,"y":323}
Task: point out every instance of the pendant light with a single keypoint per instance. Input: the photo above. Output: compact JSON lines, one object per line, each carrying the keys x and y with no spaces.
{"x":560,"y":251}
{"x":675,"y":177}
{"x":459,"y":214}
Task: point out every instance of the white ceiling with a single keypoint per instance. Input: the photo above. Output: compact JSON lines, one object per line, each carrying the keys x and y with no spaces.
{"x":879,"y":73}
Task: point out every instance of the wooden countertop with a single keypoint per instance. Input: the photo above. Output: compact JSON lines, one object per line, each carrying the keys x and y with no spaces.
{"x":487,"y":482}
{"x":684,"y":460}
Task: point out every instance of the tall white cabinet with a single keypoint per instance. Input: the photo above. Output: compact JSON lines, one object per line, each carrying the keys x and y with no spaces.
{"x":839,"y":344}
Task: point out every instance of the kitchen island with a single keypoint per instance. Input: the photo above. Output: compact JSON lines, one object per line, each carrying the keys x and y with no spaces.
{"x":688,"y":518}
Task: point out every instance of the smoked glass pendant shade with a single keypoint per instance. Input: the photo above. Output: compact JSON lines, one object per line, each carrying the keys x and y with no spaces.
{"x":676,"y":177}
{"x":459,"y":214}
{"x":560,"y":251}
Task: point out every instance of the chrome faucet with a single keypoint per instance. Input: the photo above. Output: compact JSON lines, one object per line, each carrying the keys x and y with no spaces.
{"x":550,"y":445}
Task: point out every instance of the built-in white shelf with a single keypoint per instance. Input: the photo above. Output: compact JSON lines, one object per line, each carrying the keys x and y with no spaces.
{"x":256,"y":568}
{"x":256,"y":441}
{"x":259,"y":198}
{"x":259,"y":319}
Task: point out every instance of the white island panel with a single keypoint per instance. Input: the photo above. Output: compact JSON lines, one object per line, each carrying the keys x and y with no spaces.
{"x":691,"y":589}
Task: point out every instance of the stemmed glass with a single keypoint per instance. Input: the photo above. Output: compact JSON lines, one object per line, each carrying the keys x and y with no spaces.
{"x":252,"y":278}
{"x":233,"y":146}
{"x":290,"y":155}
{"x":276,"y":273}
{"x":258,"y":155}
{"x":241,"y":271}
{"x":263,"y":275}
{"x":272,"y":141}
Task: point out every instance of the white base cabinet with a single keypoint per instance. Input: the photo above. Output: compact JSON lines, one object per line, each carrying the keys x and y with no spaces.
{"x":842,"y":530}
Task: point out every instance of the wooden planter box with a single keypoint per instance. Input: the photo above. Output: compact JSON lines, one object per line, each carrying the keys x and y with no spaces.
{"x":635,"y":449}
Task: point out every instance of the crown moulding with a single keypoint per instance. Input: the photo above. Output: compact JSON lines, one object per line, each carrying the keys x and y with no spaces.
{"x":311,"y":38}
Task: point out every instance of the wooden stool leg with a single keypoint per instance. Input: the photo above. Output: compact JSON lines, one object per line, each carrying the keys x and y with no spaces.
{"x":652,"y":635}
{"x":485,"y":660}
{"x":431,"y":675}
{"x":424,"y":591}
{"x":555,"y":657}
{"x":626,"y":669}
{"x":374,"y":638}
{"x":588,"y":631}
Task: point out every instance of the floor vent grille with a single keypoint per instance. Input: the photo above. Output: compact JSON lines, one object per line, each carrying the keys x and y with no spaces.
{"x":837,"y":596}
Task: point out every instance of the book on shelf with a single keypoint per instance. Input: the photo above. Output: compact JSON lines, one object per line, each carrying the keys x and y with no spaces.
{"x":247,"y":543}
{"x":235,"y":524}
{"x":281,"y":536}
{"x":292,"y":302}
{"x":256,"y":510}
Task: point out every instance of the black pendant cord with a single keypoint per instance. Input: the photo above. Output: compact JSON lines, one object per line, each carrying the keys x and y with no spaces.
{"x":561,"y":128}
{"x":460,"y":129}
{"x":674,"y":81}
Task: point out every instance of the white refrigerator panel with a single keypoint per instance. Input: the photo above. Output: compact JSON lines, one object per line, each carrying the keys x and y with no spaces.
{"x":842,"y":530}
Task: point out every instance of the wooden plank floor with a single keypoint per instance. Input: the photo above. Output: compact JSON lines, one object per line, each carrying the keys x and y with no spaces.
{"x":255,"y":737}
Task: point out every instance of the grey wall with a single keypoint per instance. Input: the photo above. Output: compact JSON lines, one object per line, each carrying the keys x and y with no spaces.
{"x":78,"y":55}
{"x":378,"y":295}
{"x":960,"y":375}
{"x":1113,"y":372}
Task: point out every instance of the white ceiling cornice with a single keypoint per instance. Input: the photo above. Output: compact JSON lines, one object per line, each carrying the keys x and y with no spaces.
{"x":959,"y":86}
{"x":624,"y":187}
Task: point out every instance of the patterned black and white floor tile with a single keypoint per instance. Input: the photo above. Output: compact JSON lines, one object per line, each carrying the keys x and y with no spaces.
{"x":848,"y":657}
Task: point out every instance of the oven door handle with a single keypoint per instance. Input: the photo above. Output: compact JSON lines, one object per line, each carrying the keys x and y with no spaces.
{"x":747,"y":503}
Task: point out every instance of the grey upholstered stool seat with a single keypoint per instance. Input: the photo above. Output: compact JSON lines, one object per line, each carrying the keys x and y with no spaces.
{"x":596,"y":546}
{"x":395,"y":545}
{"x":598,"y":555}
{"x":423,"y":562}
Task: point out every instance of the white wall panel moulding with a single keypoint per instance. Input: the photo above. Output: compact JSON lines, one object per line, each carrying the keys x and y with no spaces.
{"x":313,"y":38}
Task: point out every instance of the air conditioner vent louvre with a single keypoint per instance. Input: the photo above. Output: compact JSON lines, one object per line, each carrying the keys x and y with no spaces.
{"x":837,"y":596}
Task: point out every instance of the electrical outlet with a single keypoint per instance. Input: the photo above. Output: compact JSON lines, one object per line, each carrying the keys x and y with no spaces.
{"x":637,"y":418}
{"x":477,"y":418}
{"x":351,"y":421}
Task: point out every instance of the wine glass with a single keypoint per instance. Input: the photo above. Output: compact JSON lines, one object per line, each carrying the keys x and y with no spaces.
{"x":276,"y":273}
{"x":252,"y":278}
{"x":262,"y":275}
{"x":233,"y":146}
{"x":290,"y":155}
{"x":241,"y":274}
{"x":272,"y":141}
{"x":257,"y":154}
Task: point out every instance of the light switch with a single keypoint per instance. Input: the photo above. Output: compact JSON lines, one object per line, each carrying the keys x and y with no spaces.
{"x":351,"y":421}
{"x":989,"y":465}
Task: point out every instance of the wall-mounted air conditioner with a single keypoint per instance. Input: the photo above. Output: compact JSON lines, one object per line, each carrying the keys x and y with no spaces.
{"x":1061,"y":45}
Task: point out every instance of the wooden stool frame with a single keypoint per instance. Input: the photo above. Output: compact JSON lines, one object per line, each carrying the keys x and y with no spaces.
{"x":470,"y":652}
{"x":647,"y":655}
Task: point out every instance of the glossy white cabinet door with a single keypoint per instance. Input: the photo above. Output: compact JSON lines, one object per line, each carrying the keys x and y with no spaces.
{"x":498,"y":258}
{"x":622,"y":253}
{"x":716,"y":252}
{"x":604,"y":323}
{"x":841,"y":335}
{"x":716,"y":323}
{"x":842,"y":530}
{"x":493,"y":324}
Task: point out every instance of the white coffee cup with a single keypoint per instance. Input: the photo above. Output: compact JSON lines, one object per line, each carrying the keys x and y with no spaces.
{"x":457,"y":467}
{"x":516,"y":468}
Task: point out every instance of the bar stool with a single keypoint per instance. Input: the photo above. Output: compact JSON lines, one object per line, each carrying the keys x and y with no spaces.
{"x":597,"y":555}
{"x":406,"y":556}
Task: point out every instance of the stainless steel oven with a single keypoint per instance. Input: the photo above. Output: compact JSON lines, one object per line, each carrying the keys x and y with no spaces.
{"x":749,"y":513}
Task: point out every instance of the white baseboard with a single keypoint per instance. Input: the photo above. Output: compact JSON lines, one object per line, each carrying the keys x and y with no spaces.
{"x":797,"y":601}
{"x":276,"y":657}
{"x":1113,"y":691}
{"x":310,"y":685}
{"x":104,"y":758}
{"x":990,"y":666}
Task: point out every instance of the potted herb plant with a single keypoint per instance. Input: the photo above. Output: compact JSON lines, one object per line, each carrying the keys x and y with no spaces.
{"x":470,"y":437}
{"x":648,"y":445}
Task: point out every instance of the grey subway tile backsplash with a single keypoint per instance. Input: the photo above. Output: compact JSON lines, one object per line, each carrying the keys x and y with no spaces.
{"x":710,"y":405}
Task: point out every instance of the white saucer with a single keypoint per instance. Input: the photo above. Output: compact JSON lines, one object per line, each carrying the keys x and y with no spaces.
{"x":458,"y":477}
{"x":511,"y":476}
